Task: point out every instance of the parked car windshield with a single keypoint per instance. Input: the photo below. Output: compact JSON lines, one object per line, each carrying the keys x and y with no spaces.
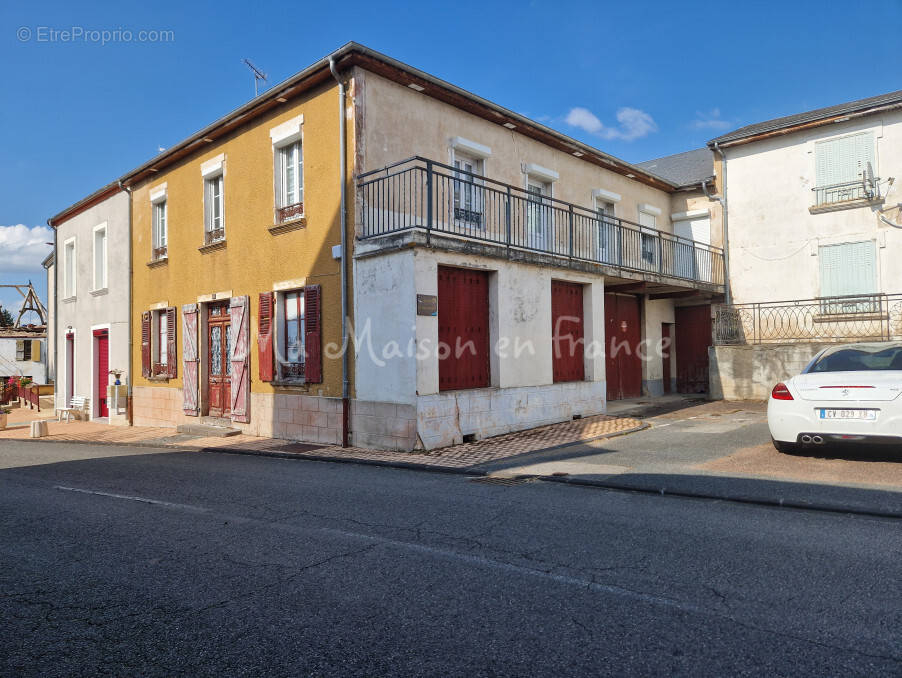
{"x":859,"y":360}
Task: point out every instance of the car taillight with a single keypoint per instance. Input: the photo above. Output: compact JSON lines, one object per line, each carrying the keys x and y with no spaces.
{"x":780,"y":392}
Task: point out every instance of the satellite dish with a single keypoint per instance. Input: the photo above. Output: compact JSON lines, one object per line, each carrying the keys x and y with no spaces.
{"x":867,"y":180}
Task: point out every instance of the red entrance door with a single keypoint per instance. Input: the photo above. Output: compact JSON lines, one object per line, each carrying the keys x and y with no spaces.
{"x":219,"y":367}
{"x":665,"y":356}
{"x":622,"y":337}
{"x":567,"y":331}
{"x":463,"y":328}
{"x":102,"y":372}
{"x":693,"y":337}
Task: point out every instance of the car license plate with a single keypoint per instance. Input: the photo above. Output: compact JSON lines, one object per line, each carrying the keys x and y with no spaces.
{"x":867,"y":415}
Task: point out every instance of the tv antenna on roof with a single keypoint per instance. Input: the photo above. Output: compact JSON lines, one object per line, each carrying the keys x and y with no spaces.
{"x":258,"y":74}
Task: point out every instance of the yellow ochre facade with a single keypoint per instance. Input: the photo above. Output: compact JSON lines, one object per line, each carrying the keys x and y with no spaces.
{"x":258,"y":254}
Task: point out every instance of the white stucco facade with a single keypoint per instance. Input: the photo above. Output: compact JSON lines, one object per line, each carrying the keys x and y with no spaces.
{"x":397,"y":361}
{"x":776,"y":236}
{"x":92,"y":304}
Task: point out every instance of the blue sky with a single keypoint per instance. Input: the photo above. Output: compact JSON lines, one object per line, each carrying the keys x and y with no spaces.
{"x":638,"y":80}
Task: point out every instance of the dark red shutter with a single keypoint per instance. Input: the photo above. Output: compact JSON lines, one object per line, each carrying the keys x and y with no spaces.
{"x":463,"y":328}
{"x":567,"y":345}
{"x":145,"y":344}
{"x":171,"y":353}
{"x":265,"y":313}
{"x":313,"y":342}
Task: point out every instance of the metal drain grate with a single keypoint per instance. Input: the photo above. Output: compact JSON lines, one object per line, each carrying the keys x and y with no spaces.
{"x":500,"y":480}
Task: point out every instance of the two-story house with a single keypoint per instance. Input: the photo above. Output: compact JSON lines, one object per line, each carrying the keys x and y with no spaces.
{"x":815,"y":236}
{"x":89,"y":315}
{"x":367,"y":254}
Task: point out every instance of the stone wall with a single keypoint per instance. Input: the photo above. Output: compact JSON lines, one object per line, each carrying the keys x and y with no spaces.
{"x":751,"y":372}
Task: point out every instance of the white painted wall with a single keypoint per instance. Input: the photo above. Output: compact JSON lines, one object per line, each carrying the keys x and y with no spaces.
{"x":94,"y":309}
{"x":774,"y":239}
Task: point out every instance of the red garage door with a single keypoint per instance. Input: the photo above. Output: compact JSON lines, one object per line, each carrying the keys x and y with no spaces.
{"x":622,"y":337}
{"x":463,"y":328}
{"x":567,"y":331}
{"x":693,"y":337}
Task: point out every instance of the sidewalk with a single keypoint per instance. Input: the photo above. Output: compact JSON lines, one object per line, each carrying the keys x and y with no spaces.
{"x":459,"y":457}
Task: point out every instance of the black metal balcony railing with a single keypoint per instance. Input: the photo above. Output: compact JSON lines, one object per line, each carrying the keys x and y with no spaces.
{"x":418,"y":193}
{"x":876,"y":317}
{"x":845,"y":192}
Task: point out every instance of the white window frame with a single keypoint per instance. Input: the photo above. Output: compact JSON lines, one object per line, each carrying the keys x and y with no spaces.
{"x":70,"y":259}
{"x":159,"y":343}
{"x":471,"y":187}
{"x":644,"y":209}
{"x":282,"y":136}
{"x":280,"y":339}
{"x":104,"y":269}
{"x":159,"y":205}
{"x":282,"y":166}
{"x":542,"y":178}
{"x":210,"y":200}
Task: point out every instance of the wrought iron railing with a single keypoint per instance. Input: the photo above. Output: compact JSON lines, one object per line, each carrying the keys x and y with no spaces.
{"x":214,"y":236}
{"x":876,"y":317}
{"x":418,"y":193}
{"x":160,"y":252}
{"x":845,"y":192}
{"x":289,"y":212}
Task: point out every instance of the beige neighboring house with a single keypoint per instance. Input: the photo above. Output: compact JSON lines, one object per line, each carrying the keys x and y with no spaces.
{"x":815,"y":239}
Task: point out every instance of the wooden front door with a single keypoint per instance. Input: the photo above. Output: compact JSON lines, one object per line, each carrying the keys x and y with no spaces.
{"x":102,"y":376}
{"x":693,"y":337}
{"x":219,"y":367}
{"x":568,"y":350}
{"x":622,"y":353}
{"x":463,"y":329}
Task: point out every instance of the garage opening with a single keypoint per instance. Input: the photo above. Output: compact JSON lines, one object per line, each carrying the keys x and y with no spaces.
{"x":567,"y":331}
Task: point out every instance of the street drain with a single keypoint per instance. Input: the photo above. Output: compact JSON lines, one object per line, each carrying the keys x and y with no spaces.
{"x":500,"y":480}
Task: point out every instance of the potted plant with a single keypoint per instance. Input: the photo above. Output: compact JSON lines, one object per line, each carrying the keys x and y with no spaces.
{"x":3,"y":412}
{"x":118,"y":374}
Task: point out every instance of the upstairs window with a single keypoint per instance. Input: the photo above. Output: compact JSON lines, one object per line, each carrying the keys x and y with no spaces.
{"x":845,"y":169}
{"x":291,"y":181}
{"x":648,"y":241}
{"x":160,"y":250}
{"x":468,"y":191}
{"x":100,"y":254}
{"x":213,"y":209}
{"x":69,"y":268}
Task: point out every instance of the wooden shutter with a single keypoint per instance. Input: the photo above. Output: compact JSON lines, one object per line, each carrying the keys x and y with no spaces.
{"x":171,"y":353}
{"x":189,"y":355}
{"x":145,"y":344}
{"x":35,"y":351}
{"x":20,"y":350}
{"x":313,"y":343}
{"x":239,"y":351}
{"x":265,"y":314}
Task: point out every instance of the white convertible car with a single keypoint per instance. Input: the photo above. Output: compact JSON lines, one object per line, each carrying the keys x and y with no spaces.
{"x":847,"y":393}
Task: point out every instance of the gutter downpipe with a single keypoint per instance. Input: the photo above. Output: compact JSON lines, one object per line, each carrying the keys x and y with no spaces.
{"x":129,"y":412}
{"x":342,"y":143}
{"x":56,"y":296}
{"x":728,"y":294}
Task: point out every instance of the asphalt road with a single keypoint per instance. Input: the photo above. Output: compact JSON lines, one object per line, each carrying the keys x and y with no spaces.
{"x":124,"y":562}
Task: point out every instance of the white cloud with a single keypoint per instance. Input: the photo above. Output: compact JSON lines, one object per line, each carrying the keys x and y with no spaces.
{"x":632,"y":123}
{"x":710,"y":120}
{"x":22,"y":249}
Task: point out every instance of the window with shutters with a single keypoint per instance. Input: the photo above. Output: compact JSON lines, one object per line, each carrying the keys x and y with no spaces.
{"x":849,"y":278}
{"x":23,"y":350}
{"x":160,"y":338}
{"x":845,"y":169}
{"x":291,"y":327}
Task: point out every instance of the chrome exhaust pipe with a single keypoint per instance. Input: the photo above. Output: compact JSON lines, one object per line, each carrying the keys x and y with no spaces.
{"x":806,"y":438}
{"x":817,"y":440}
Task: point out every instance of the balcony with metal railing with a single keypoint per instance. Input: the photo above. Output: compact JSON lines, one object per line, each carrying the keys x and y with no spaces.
{"x":846,"y":194}
{"x":447,"y":206}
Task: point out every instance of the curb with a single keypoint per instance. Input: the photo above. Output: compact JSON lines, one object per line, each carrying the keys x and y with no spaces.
{"x":825,"y":507}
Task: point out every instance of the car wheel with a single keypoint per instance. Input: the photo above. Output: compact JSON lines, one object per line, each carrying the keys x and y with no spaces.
{"x":786,"y":448}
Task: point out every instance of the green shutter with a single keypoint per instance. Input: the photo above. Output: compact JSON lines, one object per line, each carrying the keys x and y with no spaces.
{"x":839,"y":161}
{"x":849,"y":268}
